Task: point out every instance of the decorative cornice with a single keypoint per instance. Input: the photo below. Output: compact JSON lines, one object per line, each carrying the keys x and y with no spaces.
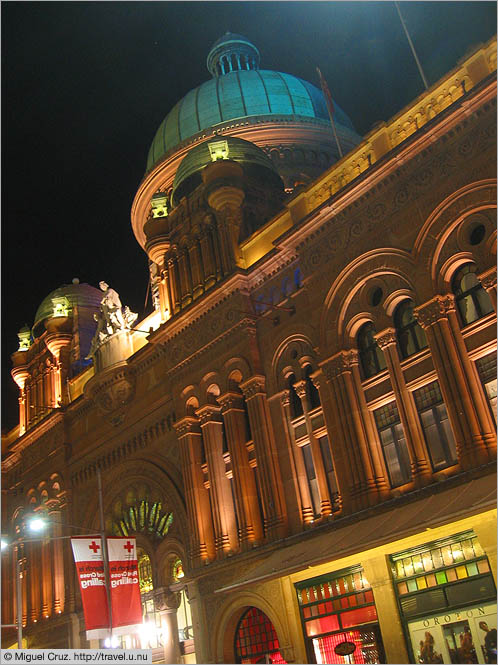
{"x":434,"y":310}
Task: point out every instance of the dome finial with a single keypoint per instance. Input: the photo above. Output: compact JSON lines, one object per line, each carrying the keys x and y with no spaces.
{"x":231,"y":53}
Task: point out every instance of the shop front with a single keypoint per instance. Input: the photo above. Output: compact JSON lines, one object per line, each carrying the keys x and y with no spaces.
{"x":339,"y":618}
{"x":447,"y":601}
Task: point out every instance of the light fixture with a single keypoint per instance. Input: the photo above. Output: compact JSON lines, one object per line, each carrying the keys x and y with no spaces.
{"x":5,"y":544}
{"x":36,"y":524}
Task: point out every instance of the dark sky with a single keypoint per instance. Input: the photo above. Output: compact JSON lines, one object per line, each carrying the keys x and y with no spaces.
{"x":86,"y":84}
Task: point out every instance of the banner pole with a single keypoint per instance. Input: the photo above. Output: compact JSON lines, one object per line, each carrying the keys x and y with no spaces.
{"x":105,"y":553}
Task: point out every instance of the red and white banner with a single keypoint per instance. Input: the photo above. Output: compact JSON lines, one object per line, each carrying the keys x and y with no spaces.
{"x":124,"y":583}
{"x":125,"y":589}
{"x":90,"y":567}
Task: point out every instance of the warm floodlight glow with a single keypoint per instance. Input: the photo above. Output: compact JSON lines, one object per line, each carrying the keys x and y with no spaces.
{"x":36,"y":524}
{"x":148,"y":634}
{"x":111,"y":642}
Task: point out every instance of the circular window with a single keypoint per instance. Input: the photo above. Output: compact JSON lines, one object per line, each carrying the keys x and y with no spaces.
{"x":375,"y":296}
{"x":477,"y":234}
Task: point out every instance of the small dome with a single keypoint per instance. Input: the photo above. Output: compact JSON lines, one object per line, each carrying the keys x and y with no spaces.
{"x":232,"y":53}
{"x":87,"y":298}
{"x":188,"y":175}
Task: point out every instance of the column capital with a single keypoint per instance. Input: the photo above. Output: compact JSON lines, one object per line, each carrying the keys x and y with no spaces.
{"x":300,"y":388}
{"x":256,"y":385}
{"x":285,"y":397}
{"x":386,"y":338}
{"x":341,"y":362}
{"x":186,"y":425}
{"x":165,"y":599}
{"x":434,"y":310}
{"x":230,"y":402}
{"x":488,"y":278}
{"x":209,"y":414}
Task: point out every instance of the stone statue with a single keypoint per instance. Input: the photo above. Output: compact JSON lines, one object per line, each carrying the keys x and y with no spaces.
{"x":112,"y":318}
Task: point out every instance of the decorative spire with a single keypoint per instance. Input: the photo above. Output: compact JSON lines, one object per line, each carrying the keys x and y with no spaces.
{"x":232,"y":53}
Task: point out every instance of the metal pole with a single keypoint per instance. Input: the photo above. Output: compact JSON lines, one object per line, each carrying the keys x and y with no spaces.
{"x":19,"y":599}
{"x":105,"y":553}
{"x":421,"y":71}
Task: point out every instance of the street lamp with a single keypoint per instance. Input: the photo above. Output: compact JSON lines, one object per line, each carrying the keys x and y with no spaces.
{"x":35,"y":525}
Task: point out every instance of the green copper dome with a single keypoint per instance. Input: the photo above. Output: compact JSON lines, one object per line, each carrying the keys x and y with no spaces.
{"x":240,"y":90}
{"x":86,"y":297}
{"x":188,"y":174}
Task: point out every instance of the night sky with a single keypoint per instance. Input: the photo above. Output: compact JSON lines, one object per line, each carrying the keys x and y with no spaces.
{"x":86,"y":85}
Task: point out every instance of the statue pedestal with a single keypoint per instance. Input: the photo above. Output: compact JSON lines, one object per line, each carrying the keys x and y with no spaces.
{"x":115,"y":349}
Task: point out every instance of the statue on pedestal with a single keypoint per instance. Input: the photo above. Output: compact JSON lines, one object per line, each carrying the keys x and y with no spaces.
{"x":112,"y":317}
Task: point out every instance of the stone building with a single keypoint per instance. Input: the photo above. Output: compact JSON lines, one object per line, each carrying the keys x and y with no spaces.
{"x":301,"y":437}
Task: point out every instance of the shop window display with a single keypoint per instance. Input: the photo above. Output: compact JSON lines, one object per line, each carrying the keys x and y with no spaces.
{"x":447,"y":601}
{"x":337,"y":609}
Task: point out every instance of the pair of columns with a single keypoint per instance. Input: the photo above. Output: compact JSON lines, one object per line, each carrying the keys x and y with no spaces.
{"x":217,"y":526}
{"x":297,"y":460}
{"x":357,"y":458}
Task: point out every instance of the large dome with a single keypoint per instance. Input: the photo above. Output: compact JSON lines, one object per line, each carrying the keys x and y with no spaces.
{"x":239,"y":90}
{"x":86,"y":297}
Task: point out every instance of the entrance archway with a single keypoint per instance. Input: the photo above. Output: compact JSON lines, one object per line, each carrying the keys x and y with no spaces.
{"x":256,"y":639}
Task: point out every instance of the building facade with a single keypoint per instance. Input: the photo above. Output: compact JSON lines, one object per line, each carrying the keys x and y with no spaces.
{"x":304,"y":443}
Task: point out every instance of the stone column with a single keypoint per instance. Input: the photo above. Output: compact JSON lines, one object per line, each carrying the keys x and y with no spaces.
{"x":488,"y":281}
{"x":268,"y":468}
{"x":166,"y":603}
{"x":225,"y":525}
{"x":321,"y":478}
{"x":47,"y":588}
{"x":196,"y":268}
{"x":469,"y":416}
{"x":196,"y":495}
{"x":55,"y":517}
{"x":354,"y":432}
{"x":251,"y":529}
{"x":297,"y":462}
{"x":34,"y":582}
{"x":378,"y":574}
{"x":208,"y":260}
{"x":419,"y":457}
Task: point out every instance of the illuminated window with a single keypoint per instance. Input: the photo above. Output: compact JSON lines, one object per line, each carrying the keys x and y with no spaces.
{"x":411,"y":338}
{"x":393,"y":440}
{"x":372,"y":359}
{"x":144,"y":571}
{"x":177,"y":570}
{"x":472,"y":300}
{"x":437,"y":430}
{"x":337,"y":608}
{"x":256,"y":640}
{"x":487,"y":372}
{"x":144,"y":517}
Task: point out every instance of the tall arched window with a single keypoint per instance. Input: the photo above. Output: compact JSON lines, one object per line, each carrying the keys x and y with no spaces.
{"x":295,"y":401}
{"x":372,"y":359}
{"x":256,"y":640}
{"x":411,"y":337}
{"x":472,"y":300}
{"x":311,"y":389}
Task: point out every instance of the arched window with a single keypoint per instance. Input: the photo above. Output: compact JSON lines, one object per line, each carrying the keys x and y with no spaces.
{"x":411,"y":337}
{"x":296,"y":405}
{"x":144,"y":571}
{"x":311,"y":389}
{"x":256,"y":640}
{"x":372,"y":359}
{"x":472,"y":300}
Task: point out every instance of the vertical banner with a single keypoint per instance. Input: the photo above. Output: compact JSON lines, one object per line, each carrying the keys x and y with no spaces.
{"x":125,"y":589}
{"x":90,"y":568}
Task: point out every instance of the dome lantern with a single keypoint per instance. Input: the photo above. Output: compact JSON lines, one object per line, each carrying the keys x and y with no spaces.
{"x":232,"y":53}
